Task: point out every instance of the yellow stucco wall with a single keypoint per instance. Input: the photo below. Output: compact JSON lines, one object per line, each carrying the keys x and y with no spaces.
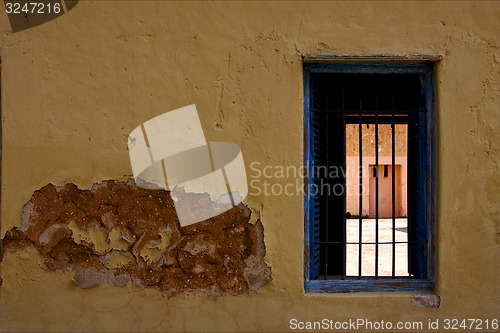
{"x":74,"y":88}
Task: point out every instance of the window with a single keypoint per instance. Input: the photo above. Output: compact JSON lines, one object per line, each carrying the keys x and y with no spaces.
{"x":368,"y":230}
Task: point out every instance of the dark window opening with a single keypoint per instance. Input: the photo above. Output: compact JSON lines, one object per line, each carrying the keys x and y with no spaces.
{"x":375,"y":228}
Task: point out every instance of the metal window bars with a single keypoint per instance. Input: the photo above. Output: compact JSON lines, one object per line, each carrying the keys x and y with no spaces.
{"x":375,"y":116}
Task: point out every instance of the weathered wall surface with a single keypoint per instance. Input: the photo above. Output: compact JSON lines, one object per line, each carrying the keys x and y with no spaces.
{"x":74,"y":88}
{"x":119,"y":232}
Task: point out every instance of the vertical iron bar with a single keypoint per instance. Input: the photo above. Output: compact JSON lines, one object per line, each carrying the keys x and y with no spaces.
{"x":376,"y":190}
{"x":393,"y":188}
{"x":360,"y":257}
{"x":344,"y":227}
{"x":328,"y":194}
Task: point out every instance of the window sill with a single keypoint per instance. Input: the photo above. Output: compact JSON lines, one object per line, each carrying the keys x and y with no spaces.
{"x":380,"y":285}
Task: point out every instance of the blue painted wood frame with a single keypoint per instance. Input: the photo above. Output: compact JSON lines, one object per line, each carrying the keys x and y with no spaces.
{"x":1,"y":122}
{"x":428,"y":172}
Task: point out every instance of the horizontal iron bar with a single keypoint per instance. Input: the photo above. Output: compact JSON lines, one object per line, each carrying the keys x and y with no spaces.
{"x":369,"y":277}
{"x":372,"y":243}
{"x":368,"y":119}
{"x":379,"y":112}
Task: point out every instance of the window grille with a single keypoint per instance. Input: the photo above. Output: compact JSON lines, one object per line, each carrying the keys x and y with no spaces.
{"x":368,"y":97}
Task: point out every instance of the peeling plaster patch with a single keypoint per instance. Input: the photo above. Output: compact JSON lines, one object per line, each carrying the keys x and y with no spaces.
{"x":47,"y":235}
{"x":119,"y":240}
{"x":119,"y":232}
{"x":115,"y":259}
{"x":428,"y":301}
{"x":93,"y":235}
{"x":88,"y":278}
{"x":152,"y":250}
{"x":25,"y":215}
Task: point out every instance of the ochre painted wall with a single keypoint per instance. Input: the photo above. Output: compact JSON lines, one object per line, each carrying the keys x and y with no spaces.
{"x":74,"y":88}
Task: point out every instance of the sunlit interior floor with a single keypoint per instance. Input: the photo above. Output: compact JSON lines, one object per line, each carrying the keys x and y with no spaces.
{"x":384,"y":250}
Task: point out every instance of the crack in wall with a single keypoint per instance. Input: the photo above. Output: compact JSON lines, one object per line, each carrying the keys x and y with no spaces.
{"x":119,"y":232}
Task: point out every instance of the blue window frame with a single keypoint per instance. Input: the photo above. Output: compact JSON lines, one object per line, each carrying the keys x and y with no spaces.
{"x":421,"y":176}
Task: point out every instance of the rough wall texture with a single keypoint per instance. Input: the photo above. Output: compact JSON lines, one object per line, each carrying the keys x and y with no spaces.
{"x":119,"y":232}
{"x":74,"y":88}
